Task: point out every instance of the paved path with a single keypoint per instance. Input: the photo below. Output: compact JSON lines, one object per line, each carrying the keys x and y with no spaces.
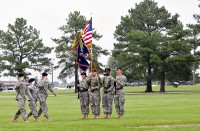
{"x":165,"y":126}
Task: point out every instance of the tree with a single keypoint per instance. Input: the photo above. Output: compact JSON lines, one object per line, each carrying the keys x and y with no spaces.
{"x":74,"y":24}
{"x":143,"y":40}
{"x":173,"y":55}
{"x":22,"y":48}
{"x":195,"y":40}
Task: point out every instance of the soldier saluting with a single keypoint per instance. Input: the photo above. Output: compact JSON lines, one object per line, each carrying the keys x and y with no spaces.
{"x":119,"y":98}
{"x":43,"y":86}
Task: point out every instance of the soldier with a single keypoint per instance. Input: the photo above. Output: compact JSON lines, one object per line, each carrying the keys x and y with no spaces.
{"x":95,"y":97}
{"x":43,"y":86}
{"x":119,"y":98}
{"x":32,"y":104}
{"x":21,"y":91}
{"x":108,"y":93}
{"x":84,"y":95}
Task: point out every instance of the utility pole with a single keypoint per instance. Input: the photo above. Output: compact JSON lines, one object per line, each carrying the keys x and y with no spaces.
{"x":52,"y":72}
{"x":193,"y":75}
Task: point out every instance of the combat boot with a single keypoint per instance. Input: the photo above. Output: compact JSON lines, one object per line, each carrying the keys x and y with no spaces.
{"x":86,"y":116}
{"x":106,"y":116}
{"x":28,"y":116}
{"x":97,"y":116}
{"x":83,"y":116}
{"x":48,"y":119}
{"x":37,"y":119}
{"x":118,"y":116}
{"x":26,"y":121}
{"x":14,"y":120}
{"x":109,"y":116}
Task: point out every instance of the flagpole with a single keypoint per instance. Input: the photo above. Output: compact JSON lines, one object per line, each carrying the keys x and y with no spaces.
{"x":91,"y":58}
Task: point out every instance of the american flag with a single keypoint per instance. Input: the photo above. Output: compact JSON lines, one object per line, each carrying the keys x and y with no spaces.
{"x":87,"y":33}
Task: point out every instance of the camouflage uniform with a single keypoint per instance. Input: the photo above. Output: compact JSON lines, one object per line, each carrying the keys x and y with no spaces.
{"x":33,"y":104}
{"x":21,"y":91}
{"x":43,"y":86}
{"x":95,"y":97}
{"x":119,"y":98}
{"x":84,"y":96}
{"x":108,"y":94}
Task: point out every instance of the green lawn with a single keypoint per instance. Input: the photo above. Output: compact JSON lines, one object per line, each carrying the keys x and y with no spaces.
{"x":177,"y":109}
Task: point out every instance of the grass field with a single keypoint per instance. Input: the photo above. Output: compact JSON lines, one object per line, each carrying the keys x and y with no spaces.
{"x":177,"y":109}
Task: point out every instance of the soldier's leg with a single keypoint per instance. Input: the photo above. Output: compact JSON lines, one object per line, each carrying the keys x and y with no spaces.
{"x":32,"y":105}
{"x":87,"y":105}
{"x":22,"y":108}
{"x":17,"y":114}
{"x":110,"y":101}
{"x":104,"y":103}
{"x":29,"y":114}
{"x":39,"y":112}
{"x":92,"y":103}
{"x":43,"y":107}
{"x":97,"y":104}
{"x":117,"y":107}
{"x":82,"y":104}
{"x":121,"y":103}
{"x":40,"y":109}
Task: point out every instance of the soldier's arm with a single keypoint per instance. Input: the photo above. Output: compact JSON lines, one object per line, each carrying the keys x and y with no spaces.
{"x":99,"y":84}
{"x":28,"y":93}
{"x":50,"y":88}
{"x":123,"y":82}
{"x":22,"y":90}
{"x":112,"y":84}
{"x":19,"y":83}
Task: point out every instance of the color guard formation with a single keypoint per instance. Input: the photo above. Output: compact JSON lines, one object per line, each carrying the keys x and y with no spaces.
{"x":89,"y":91}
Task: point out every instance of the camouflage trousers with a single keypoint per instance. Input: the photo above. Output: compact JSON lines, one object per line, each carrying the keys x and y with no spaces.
{"x":43,"y":106}
{"x":95,"y":100}
{"x":84,"y":102}
{"x":107,"y":100}
{"x":32,"y":106}
{"x":119,"y":100}
{"x":21,"y":110}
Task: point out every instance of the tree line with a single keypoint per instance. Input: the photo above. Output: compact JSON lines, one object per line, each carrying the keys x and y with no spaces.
{"x":152,"y":45}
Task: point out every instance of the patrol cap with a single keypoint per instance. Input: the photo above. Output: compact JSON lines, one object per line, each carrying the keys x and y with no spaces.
{"x":20,"y":74}
{"x":44,"y":74}
{"x":107,"y":69}
{"x":83,"y":73}
{"x":31,"y":80}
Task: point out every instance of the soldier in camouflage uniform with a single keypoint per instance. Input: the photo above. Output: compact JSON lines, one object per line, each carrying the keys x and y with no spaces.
{"x":95,"y":97}
{"x":84,"y":95}
{"x":43,"y":86}
{"x":32,"y":104}
{"x":21,"y":91}
{"x":108,"y":93}
{"x":119,"y":98}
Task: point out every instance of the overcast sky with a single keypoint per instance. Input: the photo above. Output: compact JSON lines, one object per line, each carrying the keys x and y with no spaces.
{"x":48,"y":15}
